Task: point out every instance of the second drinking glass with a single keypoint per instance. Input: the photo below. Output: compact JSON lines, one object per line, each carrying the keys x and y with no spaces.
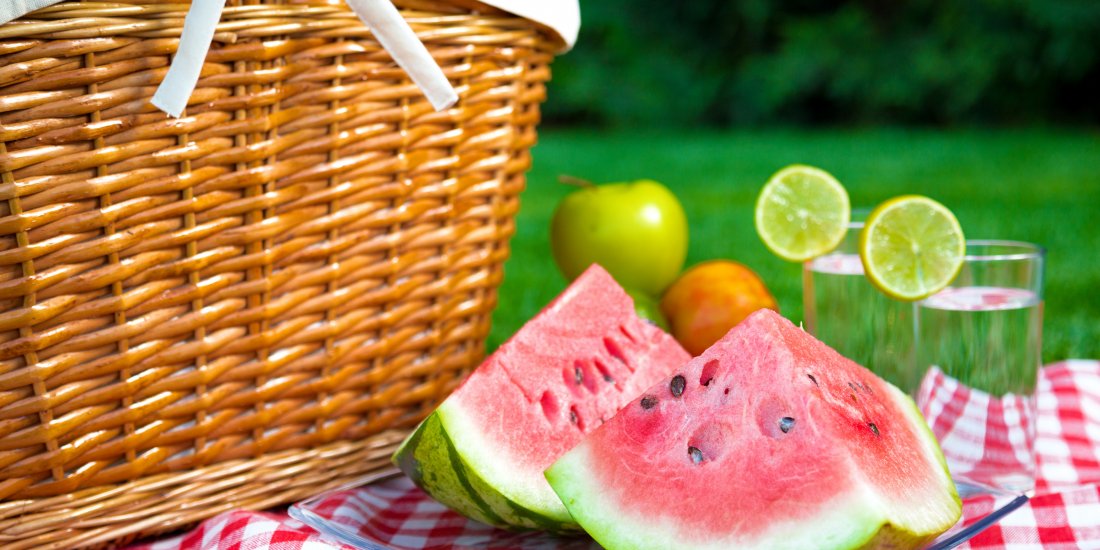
{"x":982,"y":338}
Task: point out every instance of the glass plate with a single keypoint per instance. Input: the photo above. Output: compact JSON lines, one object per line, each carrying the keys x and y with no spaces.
{"x":314,"y":513}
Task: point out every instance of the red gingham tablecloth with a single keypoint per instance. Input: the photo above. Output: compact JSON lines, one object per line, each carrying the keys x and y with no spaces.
{"x":1063,"y":514}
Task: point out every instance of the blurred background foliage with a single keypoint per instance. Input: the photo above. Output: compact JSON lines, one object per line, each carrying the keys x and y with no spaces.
{"x":989,"y":106}
{"x":722,"y":63}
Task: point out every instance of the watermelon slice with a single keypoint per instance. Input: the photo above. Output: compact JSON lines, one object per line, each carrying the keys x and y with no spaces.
{"x":575,"y":364}
{"x":769,"y":439}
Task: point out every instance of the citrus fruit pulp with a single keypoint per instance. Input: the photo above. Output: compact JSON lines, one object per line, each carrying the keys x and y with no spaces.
{"x":802,"y":212}
{"x":911,"y":247}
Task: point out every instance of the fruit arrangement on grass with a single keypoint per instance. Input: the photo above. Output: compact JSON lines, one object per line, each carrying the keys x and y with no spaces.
{"x":638,"y":232}
{"x":592,"y":418}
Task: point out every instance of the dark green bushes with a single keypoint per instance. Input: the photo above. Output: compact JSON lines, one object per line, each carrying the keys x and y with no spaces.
{"x":723,"y":62}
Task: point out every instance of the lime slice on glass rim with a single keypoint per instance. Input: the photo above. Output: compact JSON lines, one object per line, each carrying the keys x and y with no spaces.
{"x":802,"y":212}
{"x":911,"y":247}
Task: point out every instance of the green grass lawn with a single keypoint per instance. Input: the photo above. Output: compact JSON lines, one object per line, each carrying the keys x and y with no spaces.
{"x":1035,"y":185}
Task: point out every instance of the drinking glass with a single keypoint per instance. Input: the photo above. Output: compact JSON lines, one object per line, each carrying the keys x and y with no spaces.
{"x":842,"y":309}
{"x":984,"y":334}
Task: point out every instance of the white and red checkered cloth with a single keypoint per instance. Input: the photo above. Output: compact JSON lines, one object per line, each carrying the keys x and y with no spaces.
{"x":1063,"y":514}
{"x":983,"y":437}
{"x":982,"y":440}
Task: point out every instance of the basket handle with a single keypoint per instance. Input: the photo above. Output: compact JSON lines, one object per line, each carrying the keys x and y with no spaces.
{"x":398,"y":38}
{"x":381,"y":16}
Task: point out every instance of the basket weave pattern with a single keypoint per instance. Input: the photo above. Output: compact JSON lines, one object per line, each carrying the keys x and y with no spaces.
{"x":254,"y":302}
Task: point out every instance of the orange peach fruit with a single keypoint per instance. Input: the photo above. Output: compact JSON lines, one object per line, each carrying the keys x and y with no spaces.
{"x":708,"y":299}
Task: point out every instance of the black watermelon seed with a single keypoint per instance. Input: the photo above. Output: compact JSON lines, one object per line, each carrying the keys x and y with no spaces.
{"x":812,"y":379}
{"x":648,"y":402}
{"x":677,"y":385}
{"x":853,"y":386}
{"x":608,"y":378}
{"x":695,"y":454}
{"x":578,"y":375}
{"x":786,"y":423}
{"x":573,"y":416}
{"x":873,"y":427}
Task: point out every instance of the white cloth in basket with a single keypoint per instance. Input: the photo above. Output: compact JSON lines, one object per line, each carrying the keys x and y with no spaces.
{"x":10,"y":9}
{"x":391,"y":30}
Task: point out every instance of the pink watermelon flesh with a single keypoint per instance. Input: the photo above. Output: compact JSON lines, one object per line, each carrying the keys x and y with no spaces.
{"x":564,"y":373}
{"x":768,"y":439}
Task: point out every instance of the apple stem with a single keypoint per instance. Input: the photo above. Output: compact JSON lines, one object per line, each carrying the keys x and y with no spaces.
{"x":573,"y":180}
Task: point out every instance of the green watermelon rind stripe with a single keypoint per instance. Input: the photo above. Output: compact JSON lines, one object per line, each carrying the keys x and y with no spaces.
{"x":520,"y":517}
{"x":468,"y":502}
{"x":428,"y":470}
{"x":429,"y":457}
{"x":510,"y":497}
{"x":474,"y":497}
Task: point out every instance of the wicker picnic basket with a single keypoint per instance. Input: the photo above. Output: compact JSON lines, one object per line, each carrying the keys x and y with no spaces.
{"x":255,"y":302}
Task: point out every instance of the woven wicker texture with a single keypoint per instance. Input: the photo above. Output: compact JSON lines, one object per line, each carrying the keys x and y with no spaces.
{"x":254,"y":302}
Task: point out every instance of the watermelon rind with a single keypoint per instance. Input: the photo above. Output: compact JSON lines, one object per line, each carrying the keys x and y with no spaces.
{"x":851,"y":523}
{"x":430,"y":458}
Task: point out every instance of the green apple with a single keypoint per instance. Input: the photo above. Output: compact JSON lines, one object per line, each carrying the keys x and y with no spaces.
{"x":637,"y":231}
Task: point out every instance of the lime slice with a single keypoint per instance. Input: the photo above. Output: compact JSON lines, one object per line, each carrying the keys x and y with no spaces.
{"x":911,"y":247}
{"x":802,"y":213}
